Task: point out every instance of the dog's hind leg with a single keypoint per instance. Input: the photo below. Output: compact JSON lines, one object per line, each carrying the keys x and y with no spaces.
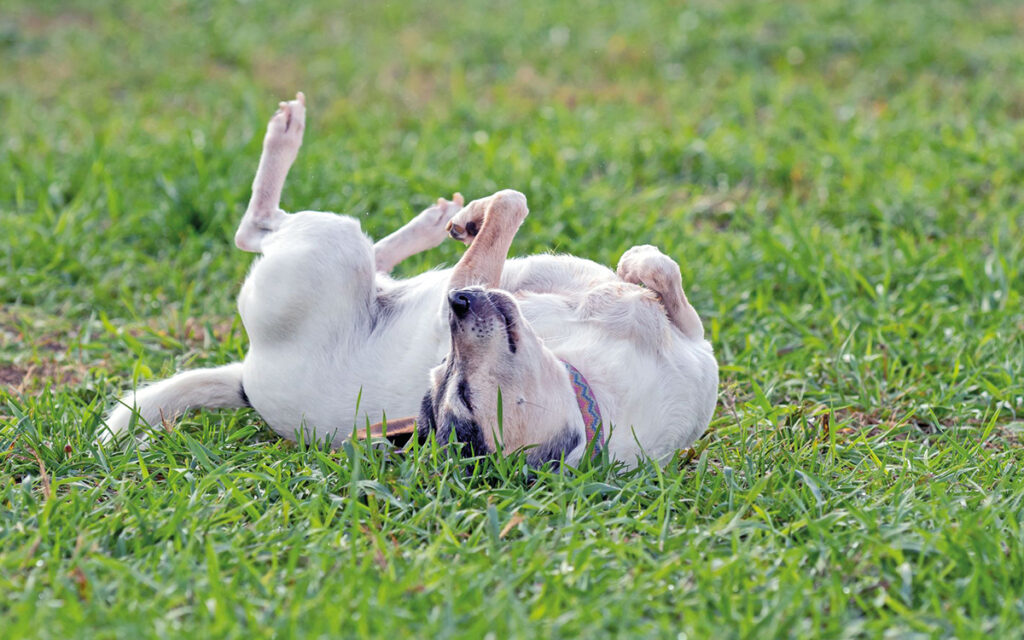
{"x":648,"y":266}
{"x":164,"y":401}
{"x":280,"y":148}
{"x":425,"y":231}
{"x":488,"y":226}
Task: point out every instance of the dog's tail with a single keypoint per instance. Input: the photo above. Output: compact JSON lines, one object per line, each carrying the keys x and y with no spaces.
{"x":216,"y":388}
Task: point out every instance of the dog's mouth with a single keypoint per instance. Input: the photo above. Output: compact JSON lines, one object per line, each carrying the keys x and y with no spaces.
{"x":478,"y":305}
{"x":448,"y":419}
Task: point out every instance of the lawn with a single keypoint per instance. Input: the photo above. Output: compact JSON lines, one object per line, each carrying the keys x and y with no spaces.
{"x":842,"y":183}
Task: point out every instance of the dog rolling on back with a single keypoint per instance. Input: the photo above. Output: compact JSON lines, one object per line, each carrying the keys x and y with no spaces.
{"x":582,"y":357}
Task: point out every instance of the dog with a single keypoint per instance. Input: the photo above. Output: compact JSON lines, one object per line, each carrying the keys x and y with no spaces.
{"x":552,"y":354}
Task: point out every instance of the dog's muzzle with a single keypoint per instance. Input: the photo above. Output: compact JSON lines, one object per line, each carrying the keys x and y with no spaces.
{"x":462,"y":301}
{"x":477,"y":314}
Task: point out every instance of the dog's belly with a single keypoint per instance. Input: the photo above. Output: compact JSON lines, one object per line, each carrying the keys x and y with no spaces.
{"x":334,"y":378}
{"x":329,"y":400}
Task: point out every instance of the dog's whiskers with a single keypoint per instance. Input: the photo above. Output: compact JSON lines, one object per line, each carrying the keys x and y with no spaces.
{"x":534,"y":404}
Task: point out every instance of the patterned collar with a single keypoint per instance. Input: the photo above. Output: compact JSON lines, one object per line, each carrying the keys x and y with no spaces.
{"x":589,"y":409}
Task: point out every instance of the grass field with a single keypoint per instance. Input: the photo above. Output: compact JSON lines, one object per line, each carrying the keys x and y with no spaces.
{"x":842,"y":183}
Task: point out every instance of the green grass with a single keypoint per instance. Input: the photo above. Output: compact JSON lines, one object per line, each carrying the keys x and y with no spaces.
{"x":841,"y":182}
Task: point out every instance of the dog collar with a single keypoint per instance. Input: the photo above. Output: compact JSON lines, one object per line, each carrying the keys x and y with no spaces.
{"x":589,"y":409}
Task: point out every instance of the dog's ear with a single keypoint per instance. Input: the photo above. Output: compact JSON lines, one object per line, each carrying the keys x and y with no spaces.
{"x":427,"y":421}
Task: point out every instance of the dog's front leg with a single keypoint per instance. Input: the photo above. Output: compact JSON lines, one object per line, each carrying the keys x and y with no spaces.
{"x":488,"y":226}
{"x":280,"y":148}
{"x":425,"y":231}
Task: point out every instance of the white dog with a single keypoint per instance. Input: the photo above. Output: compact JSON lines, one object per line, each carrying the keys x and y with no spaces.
{"x":583,"y":358}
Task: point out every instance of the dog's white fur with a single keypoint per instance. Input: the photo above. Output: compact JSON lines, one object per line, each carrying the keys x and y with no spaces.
{"x":334,"y":341}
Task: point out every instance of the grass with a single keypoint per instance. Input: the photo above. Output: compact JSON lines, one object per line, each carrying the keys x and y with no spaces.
{"x":841,"y":183}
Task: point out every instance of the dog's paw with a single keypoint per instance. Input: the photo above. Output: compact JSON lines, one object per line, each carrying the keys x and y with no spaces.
{"x":431,"y":224}
{"x":465,"y":227}
{"x":506,"y":207}
{"x":284,"y":131}
{"x":646,"y":265}
{"x":433,"y":221}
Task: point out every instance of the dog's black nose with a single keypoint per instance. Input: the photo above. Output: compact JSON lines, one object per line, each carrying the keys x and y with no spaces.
{"x":459,"y":302}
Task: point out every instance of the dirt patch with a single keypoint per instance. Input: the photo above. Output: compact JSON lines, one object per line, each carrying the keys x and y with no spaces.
{"x":22,"y":379}
{"x":34,"y":352}
{"x":11,"y":376}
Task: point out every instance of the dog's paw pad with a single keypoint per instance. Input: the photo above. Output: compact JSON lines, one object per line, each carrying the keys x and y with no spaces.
{"x":466,"y":224}
{"x":464,"y":233}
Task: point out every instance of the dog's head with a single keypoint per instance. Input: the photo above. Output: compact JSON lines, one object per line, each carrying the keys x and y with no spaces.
{"x":494,"y":351}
